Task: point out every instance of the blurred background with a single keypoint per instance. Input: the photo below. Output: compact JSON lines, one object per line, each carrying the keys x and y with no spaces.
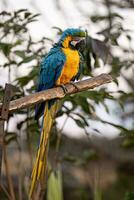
{"x":93,"y":134}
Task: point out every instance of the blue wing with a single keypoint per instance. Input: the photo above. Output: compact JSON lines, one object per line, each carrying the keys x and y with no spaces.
{"x":51,"y":67}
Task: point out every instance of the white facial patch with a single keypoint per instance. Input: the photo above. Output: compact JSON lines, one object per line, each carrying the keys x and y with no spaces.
{"x":76,"y":40}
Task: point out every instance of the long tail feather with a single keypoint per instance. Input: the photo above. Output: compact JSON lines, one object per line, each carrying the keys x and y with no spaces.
{"x":40,"y":166}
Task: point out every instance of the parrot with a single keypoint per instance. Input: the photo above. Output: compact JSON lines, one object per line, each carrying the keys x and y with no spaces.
{"x":60,"y":66}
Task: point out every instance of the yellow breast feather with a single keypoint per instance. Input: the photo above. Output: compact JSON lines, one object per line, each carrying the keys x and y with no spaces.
{"x":71,"y":66}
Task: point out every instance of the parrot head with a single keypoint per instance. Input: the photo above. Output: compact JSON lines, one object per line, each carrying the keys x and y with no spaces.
{"x":71,"y":36}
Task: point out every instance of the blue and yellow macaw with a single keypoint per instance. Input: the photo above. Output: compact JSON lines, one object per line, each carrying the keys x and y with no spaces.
{"x":60,"y":66}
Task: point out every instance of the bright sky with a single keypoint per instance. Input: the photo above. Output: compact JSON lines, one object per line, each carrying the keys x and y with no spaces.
{"x":71,"y":16}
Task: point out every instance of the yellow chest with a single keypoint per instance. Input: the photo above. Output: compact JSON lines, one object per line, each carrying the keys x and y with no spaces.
{"x":71,"y":66}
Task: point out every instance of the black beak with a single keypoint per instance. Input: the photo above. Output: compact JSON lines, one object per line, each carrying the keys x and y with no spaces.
{"x":81,"y":45}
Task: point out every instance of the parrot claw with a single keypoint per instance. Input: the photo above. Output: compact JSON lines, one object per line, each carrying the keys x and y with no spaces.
{"x":64,"y":88}
{"x":76,"y":87}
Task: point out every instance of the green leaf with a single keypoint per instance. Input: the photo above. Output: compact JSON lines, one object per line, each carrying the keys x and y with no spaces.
{"x":6,"y":48}
{"x":59,"y":30}
{"x":97,"y":18}
{"x":31,"y":18}
{"x":89,"y":155}
{"x":129,"y":196}
{"x":79,"y":123}
{"x":20,"y":53}
{"x":70,"y":158}
{"x":27,"y":14}
{"x":54,"y":188}
{"x":20,"y":11}
{"x":5,"y":13}
{"x":28,"y":59}
{"x":83,"y":118}
{"x":129,"y":37}
{"x":128,"y":143}
{"x":23,"y":80}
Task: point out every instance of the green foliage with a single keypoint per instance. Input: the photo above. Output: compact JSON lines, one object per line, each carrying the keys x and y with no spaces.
{"x":20,"y":51}
{"x":98,"y":194}
{"x":54,"y":191}
{"x":129,"y":196}
{"x":83,"y":159}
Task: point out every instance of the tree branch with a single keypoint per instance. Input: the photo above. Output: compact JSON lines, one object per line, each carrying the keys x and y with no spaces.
{"x":58,"y":92}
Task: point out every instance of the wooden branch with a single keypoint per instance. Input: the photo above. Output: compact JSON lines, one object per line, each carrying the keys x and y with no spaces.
{"x":58,"y":92}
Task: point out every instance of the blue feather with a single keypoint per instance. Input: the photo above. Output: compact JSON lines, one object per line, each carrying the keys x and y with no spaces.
{"x":50,"y":70}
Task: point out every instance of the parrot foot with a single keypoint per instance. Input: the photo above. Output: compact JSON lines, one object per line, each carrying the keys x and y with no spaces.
{"x":64,"y":88}
{"x":76,"y":87}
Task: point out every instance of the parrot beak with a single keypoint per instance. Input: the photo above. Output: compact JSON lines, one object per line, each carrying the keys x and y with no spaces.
{"x":76,"y":40}
{"x":81,"y":45}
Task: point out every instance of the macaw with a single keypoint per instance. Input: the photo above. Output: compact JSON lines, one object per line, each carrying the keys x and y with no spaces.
{"x":59,"y":67}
